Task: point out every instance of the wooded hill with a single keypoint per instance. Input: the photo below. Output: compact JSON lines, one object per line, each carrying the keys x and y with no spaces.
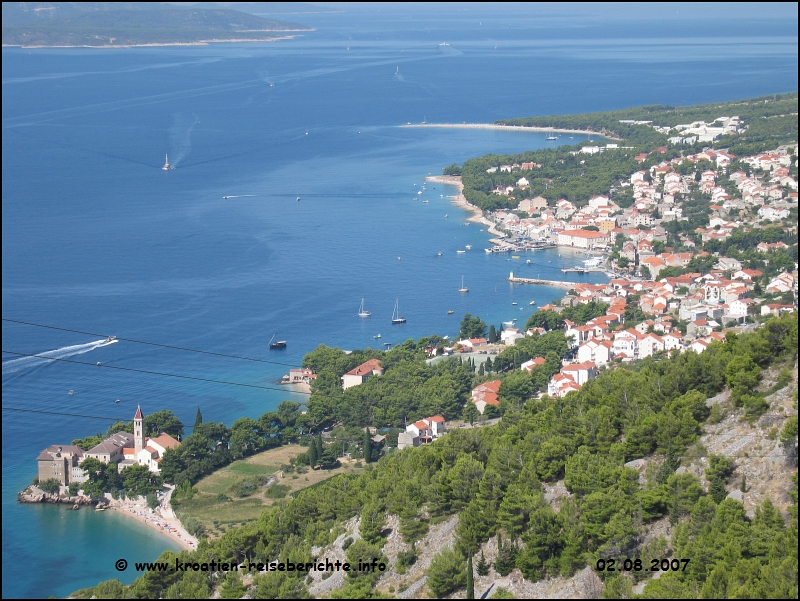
{"x":493,"y":479}
{"x":132,"y":23}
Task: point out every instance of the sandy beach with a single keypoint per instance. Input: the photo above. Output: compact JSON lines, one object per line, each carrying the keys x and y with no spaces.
{"x":461,"y":202}
{"x":522,"y":128}
{"x":162,"y":519}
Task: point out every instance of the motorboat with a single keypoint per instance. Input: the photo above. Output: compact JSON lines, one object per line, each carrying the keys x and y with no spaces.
{"x":376,"y":336}
{"x":532,"y":303}
{"x":514,"y":303}
{"x":461,"y":252}
{"x":450,"y":312}
{"x":468,"y":247}
{"x":111,"y":339}
{"x":509,"y":324}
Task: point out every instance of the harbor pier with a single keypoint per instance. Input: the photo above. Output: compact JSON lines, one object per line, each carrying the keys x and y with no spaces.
{"x":516,"y":280}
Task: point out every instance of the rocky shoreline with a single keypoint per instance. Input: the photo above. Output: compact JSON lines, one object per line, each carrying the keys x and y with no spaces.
{"x":35,"y":495}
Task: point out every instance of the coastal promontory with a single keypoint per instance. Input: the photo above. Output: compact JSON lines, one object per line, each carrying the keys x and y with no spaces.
{"x":98,"y":24}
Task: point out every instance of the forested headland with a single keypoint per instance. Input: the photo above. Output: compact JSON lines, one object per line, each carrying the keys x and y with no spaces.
{"x":494,"y":480}
{"x":564,"y":172}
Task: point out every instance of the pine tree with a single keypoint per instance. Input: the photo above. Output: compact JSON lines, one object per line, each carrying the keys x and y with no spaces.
{"x":470,"y":580}
{"x":367,"y":447}
{"x":198,"y":419}
{"x":483,"y":566}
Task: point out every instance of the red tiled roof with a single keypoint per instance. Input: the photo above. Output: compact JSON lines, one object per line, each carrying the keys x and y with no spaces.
{"x":365,"y":368}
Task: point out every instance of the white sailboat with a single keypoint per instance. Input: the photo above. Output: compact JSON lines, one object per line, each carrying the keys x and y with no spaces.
{"x":362,"y":312}
{"x":166,"y":166}
{"x":396,"y":318}
{"x":463,"y":288}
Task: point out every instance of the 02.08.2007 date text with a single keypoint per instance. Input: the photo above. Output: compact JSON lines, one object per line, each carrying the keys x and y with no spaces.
{"x":636,"y":565}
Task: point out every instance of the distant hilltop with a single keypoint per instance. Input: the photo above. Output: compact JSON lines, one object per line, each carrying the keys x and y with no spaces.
{"x":105,"y":24}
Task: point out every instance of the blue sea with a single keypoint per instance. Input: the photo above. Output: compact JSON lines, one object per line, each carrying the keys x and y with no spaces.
{"x":97,"y":238}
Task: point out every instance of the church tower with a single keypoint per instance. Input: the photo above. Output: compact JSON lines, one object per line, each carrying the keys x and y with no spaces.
{"x":138,"y":430}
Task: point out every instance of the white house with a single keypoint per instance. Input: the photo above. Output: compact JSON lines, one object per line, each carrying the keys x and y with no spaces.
{"x":359,"y":375}
{"x":650,"y":345}
{"x":509,"y":336}
{"x":597,"y":351}
{"x":672,"y":341}
{"x":580,"y":372}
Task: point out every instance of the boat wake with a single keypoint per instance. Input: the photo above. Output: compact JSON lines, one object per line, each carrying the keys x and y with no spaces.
{"x":16,"y":365}
{"x":180,"y":137}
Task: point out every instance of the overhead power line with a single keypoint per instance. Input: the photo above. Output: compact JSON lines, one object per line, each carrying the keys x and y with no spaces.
{"x":169,"y":346}
{"x":154,"y":373}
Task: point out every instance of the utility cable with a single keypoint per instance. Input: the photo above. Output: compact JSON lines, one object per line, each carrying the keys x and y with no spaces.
{"x":169,"y":346}
{"x":145,"y":371}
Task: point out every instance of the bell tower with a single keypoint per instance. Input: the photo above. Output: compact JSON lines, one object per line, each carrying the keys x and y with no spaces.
{"x":138,"y":430}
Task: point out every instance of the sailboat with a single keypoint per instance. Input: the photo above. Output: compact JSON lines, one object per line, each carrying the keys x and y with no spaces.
{"x":166,"y":166}
{"x":396,"y":313}
{"x":463,"y":288}
{"x":397,"y":71}
{"x":280,"y":344}
{"x":362,"y":312}
{"x":551,"y":137}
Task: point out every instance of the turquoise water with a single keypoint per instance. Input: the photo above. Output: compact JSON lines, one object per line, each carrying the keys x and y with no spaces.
{"x":97,"y":238}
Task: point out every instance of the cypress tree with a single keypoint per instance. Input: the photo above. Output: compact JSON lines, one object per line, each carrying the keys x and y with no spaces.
{"x":470,"y":581}
{"x":481,"y":370}
{"x":198,"y":418}
{"x":743,"y":487}
{"x":319,"y":447}
{"x":367,"y":447}
{"x":313,"y":457}
{"x":492,"y":334}
{"x":483,"y":566}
